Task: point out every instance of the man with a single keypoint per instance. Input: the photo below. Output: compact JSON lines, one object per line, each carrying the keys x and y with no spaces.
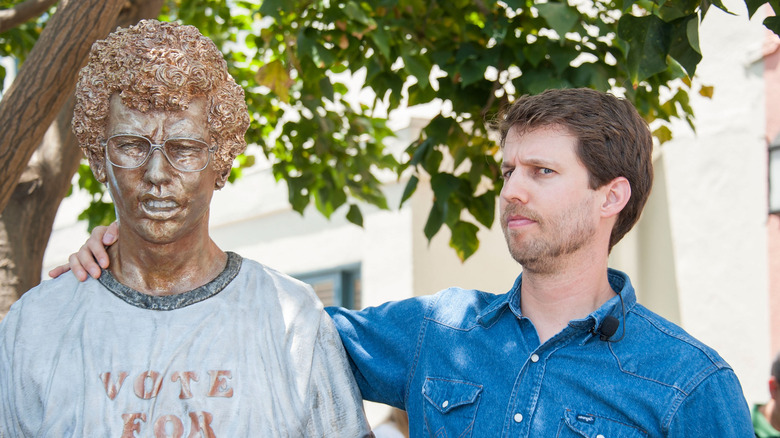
{"x":766,"y":418}
{"x":567,"y":351}
{"x":179,"y":338}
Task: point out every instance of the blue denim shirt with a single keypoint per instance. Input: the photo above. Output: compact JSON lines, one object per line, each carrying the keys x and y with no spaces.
{"x":468,"y":363}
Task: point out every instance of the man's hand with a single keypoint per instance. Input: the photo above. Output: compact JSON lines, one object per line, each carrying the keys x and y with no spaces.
{"x":92,"y":256}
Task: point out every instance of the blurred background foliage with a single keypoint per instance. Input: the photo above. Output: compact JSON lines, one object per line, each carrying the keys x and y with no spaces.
{"x":300,"y":61}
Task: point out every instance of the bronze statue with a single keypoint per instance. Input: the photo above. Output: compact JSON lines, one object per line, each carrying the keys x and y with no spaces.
{"x":178,"y":338}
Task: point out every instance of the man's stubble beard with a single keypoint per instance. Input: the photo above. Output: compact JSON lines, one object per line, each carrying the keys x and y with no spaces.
{"x":556,"y":237}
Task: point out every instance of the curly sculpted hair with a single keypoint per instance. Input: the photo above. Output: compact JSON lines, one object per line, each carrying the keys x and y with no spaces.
{"x":159,"y":66}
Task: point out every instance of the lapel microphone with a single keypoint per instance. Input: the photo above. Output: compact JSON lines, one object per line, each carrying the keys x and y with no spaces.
{"x":609,"y":325}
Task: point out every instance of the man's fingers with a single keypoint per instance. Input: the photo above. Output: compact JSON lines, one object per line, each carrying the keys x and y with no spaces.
{"x":111,"y":234}
{"x":88,"y":257}
{"x":94,"y":248}
{"x":59,"y":270}
{"x":76,"y":268}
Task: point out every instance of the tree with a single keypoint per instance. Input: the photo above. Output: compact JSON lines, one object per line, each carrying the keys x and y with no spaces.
{"x":294,"y":59}
{"x":42,"y":96}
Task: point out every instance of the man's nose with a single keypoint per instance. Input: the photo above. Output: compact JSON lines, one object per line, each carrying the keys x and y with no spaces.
{"x":515,"y":189}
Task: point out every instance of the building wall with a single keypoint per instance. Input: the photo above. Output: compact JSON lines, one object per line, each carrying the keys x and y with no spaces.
{"x":772,"y":82}
{"x":715,"y":182}
{"x":699,"y":255}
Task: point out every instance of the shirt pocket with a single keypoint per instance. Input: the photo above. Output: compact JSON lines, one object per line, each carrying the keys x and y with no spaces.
{"x":451,"y":407}
{"x":579,"y":425}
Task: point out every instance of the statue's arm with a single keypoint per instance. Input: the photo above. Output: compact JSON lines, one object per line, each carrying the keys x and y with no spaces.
{"x":335,"y":405}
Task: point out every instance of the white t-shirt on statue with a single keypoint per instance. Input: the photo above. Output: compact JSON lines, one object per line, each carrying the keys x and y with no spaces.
{"x":250,"y":354}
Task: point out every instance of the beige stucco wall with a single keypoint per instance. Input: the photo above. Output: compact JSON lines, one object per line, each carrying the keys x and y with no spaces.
{"x":698,"y":255}
{"x":716,"y":190}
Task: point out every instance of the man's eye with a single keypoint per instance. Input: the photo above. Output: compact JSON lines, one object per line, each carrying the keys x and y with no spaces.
{"x":546,"y":171}
{"x":507,"y":174}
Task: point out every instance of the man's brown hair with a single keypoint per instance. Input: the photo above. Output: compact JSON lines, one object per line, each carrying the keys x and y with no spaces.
{"x":612,"y":140}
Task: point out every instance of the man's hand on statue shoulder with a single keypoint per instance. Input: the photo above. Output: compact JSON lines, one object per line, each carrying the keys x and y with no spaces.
{"x":92,"y":256}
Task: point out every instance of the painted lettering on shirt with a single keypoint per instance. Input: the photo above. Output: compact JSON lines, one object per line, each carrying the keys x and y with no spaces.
{"x":148,"y":385}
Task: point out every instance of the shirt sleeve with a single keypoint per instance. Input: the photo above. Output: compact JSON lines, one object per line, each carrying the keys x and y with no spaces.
{"x":334,"y":403}
{"x":9,"y":426}
{"x":716,"y":407}
{"x":383,"y":345}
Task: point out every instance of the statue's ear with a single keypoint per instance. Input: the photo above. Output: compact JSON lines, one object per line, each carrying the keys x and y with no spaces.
{"x":97,"y":162}
{"x":222,"y":179}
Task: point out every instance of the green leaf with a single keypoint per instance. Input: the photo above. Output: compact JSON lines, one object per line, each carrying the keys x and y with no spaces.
{"x":274,"y":76}
{"x":536,"y":81}
{"x":326,"y":88}
{"x":434,"y":222}
{"x":464,"y":239}
{"x":98,"y":213}
{"x":562,"y":57}
{"x":483,"y":208}
{"x":718,"y":4}
{"x":411,"y":187}
{"x":648,"y":39}
{"x":354,"y":12}
{"x":295,"y":188}
{"x":433,"y":161}
{"x":470,"y":72}
{"x":418,"y":67}
{"x":88,"y":182}
{"x":560,"y":16}
{"x":682,"y":48}
{"x":354,"y":215}
{"x":753,"y":6}
{"x":382,"y":41}
{"x":674,"y":10}
{"x":773,"y":24}
{"x":443,"y":185}
{"x":272,"y":8}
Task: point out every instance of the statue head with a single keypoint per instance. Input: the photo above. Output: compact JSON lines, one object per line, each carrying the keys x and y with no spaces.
{"x":157,"y":66}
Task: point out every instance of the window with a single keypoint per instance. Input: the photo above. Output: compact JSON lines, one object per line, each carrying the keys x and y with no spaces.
{"x":336,"y":287}
{"x":774,"y":177}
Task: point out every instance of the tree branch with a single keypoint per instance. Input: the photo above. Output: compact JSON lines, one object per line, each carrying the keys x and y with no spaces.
{"x":46,"y":80}
{"x":26,"y":10}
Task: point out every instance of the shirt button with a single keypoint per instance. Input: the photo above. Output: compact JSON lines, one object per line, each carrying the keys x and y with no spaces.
{"x":599,"y":436}
{"x":447,"y":403}
{"x":519,"y":418}
{"x":534,"y":358}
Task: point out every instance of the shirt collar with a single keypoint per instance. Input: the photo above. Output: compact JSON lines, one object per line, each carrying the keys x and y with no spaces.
{"x":618,"y":280}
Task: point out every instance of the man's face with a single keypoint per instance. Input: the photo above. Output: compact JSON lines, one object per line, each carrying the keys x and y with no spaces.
{"x":547,"y":206}
{"x":155,"y":201}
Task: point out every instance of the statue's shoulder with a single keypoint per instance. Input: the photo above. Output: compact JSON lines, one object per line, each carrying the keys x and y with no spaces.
{"x":52,"y":300}
{"x":289,"y":291}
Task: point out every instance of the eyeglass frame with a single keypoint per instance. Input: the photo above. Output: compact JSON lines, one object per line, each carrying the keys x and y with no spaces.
{"x":159,"y":146}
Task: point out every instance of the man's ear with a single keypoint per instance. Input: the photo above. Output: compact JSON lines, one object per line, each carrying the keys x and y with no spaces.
{"x":616,"y":195}
{"x":773,"y":389}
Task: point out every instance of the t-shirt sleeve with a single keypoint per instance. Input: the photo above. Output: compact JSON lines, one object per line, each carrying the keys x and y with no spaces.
{"x":335,"y":406}
{"x":383,"y":344}
{"x":716,"y":407}
{"x":9,"y":426}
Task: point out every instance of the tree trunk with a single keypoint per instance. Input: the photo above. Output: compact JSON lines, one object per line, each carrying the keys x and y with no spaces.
{"x":46,"y":80}
{"x":27,"y":219}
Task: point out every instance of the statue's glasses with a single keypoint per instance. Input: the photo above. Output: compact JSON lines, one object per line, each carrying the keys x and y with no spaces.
{"x":129,"y":151}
